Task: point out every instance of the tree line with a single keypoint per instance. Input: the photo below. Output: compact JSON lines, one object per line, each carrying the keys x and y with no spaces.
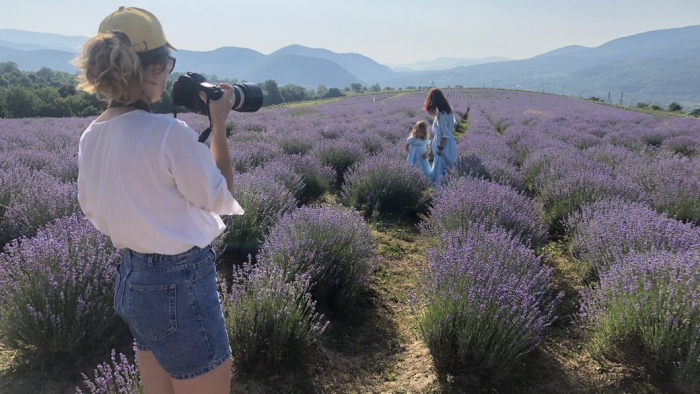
{"x":50,"y":93}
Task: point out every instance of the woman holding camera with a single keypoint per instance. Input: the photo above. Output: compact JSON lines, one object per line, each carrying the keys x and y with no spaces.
{"x":146,"y":182}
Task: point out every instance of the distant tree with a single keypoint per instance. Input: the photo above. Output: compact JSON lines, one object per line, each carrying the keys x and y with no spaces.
{"x":674,"y":106}
{"x":67,"y":90}
{"x":642,"y":105}
{"x":271,"y":93}
{"x":410,"y":87}
{"x":375,"y":88}
{"x":321,"y":90}
{"x":459,"y":87}
{"x":346,"y":89}
{"x":333,"y":92}
{"x":696,"y":112}
{"x":594,"y":98}
{"x":20,"y":102}
{"x":293,"y":92}
{"x":164,"y":105}
{"x":50,"y":103}
{"x":388,"y":88}
{"x":356,"y":87}
{"x":8,"y":67}
{"x":656,"y":108}
{"x":364,"y":88}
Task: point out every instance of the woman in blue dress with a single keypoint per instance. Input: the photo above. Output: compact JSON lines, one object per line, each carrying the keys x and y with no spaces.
{"x":444,"y":145}
{"x":418,"y":146}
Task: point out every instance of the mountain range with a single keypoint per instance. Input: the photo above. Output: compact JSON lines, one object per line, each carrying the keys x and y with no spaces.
{"x":655,"y":67}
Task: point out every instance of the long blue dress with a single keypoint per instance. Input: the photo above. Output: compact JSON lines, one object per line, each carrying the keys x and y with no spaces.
{"x":417,"y":148}
{"x":443,"y":126}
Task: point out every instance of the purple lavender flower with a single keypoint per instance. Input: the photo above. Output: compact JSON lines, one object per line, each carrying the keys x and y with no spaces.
{"x":57,"y":288}
{"x":468,"y":200}
{"x":383,"y":185}
{"x":269,"y":319}
{"x":604,"y":232}
{"x":649,"y":300}
{"x":332,"y":245}
{"x":498,"y":298}
{"x":121,"y":376}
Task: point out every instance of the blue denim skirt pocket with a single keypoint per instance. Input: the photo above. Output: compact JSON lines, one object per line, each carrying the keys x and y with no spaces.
{"x":153,"y":310}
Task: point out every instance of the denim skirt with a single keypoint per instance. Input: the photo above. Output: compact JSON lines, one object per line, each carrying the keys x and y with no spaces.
{"x":173,"y":309}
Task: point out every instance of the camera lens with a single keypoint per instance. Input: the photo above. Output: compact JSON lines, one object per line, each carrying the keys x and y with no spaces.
{"x":247,"y":97}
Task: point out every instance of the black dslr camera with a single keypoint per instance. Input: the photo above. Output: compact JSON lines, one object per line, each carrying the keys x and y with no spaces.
{"x":247,"y":97}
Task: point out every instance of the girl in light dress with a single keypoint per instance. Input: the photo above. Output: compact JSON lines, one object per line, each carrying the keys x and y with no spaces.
{"x":418,"y":147}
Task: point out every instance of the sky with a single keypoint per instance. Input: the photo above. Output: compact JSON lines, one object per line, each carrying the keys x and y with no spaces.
{"x":392,"y":32}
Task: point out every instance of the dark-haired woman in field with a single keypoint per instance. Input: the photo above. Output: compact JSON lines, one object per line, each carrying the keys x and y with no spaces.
{"x":146,"y":182}
{"x":444,"y":146}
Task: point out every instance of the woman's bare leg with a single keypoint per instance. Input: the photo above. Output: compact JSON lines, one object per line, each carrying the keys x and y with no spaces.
{"x":153,"y":377}
{"x":217,"y":381}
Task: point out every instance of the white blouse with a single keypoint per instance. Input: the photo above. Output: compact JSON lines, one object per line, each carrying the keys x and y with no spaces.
{"x":146,"y":182}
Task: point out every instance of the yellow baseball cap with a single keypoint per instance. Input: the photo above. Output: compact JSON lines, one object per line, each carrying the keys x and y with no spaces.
{"x":142,"y":28}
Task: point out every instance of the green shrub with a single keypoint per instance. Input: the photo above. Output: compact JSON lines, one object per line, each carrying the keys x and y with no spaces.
{"x":383,"y":185}
{"x":270,"y":321}
{"x":332,"y":245}
{"x":647,"y":305}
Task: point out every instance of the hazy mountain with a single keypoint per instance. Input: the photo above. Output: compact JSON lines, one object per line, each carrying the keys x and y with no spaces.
{"x":227,"y":62}
{"x":564,"y":50}
{"x":445,"y":63}
{"x":660,"y":66}
{"x":364,"y":68}
{"x":301,"y":70}
{"x":34,"y":60}
{"x":40,"y":40}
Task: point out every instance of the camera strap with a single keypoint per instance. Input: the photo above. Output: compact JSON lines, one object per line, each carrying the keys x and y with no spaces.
{"x":205,"y":134}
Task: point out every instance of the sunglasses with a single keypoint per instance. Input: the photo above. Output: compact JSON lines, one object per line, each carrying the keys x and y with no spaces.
{"x":171,"y":68}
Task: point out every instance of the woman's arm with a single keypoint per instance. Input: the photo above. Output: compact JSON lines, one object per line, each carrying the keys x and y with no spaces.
{"x":219,"y":110}
{"x":407,"y":145}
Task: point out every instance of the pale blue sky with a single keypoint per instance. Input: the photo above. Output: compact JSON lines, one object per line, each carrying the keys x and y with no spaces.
{"x":389,"y":31}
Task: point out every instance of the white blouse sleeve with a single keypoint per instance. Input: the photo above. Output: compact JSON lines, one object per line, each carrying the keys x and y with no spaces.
{"x":196,"y":176}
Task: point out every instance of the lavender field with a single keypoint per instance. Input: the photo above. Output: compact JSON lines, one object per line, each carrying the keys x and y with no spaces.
{"x":561,"y":254}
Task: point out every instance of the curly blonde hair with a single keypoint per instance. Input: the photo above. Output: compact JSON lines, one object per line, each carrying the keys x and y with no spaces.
{"x":113,"y":71}
{"x":420,"y":130}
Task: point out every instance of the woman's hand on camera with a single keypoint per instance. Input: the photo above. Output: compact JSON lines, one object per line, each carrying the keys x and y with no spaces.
{"x":219,"y":109}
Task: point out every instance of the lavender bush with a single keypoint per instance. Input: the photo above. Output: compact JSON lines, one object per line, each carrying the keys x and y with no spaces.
{"x":263,"y":201}
{"x":649,"y":303}
{"x":564,"y":183}
{"x":383,"y":185}
{"x":248,"y":155}
{"x":56,"y":293}
{"x":470,"y":200}
{"x":270,"y":320}
{"x":683,"y":144}
{"x":295,"y":144}
{"x":121,"y":376}
{"x":487,"y":301}
{"x":30,"y":199}
{"x":280,"y":173}
{"x":604,"y":232}
{"x":332,"y":245}
{"x":316,"y":179}
{"x":339,"y":154}
{"x":671,"y":184}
